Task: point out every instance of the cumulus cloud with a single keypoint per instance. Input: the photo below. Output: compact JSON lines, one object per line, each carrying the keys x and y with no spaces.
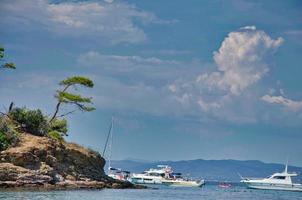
{"x":280,"y":100}
{"x":241,"y":60}
{"x":114,"y":21}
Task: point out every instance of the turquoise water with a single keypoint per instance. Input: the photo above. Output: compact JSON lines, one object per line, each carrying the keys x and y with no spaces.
{"x":168,"y":193}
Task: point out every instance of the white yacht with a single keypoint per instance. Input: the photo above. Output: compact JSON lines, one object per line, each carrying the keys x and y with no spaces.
{"x":164,"y":175}
{"x":277,"y":181}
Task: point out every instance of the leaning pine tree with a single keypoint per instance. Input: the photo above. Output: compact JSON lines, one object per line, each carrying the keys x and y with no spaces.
{"x":66,"y":98}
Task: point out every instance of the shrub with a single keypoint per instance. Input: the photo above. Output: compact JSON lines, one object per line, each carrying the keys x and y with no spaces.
{"x":60,"y":126}
{"x":8,"y":135}
{"x":34,"y":122}
{"x":56,"y":135}
{"x":31,"y":121}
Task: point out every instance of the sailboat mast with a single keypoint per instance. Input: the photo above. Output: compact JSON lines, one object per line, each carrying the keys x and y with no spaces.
{"x":108,"y":136}
{"x":110,"y":143}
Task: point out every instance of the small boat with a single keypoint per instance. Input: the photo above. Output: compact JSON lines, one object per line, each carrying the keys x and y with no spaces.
{"x":118,"y":174}
{"x":224,"y":185}
{"x":277,"y":181}
{"x":164,"y":175}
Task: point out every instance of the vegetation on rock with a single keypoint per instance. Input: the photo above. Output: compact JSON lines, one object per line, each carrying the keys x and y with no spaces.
{"x":30,"y":121}
{"x":8,"y":134}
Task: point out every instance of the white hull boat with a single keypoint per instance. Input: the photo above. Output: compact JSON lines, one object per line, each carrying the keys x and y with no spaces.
{"x":164,"y":176}
{"x":277,"y":181}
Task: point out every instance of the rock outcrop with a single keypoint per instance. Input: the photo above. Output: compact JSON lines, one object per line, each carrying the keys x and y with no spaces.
{"x":45,"y":162}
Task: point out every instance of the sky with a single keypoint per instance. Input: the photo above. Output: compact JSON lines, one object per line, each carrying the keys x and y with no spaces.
{"x":183,"y":79}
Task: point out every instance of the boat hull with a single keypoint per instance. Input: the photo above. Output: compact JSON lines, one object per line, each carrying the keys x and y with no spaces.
{"x":268,"y":186}
{"x":176,"y":183}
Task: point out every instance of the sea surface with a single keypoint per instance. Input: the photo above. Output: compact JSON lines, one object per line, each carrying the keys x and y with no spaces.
{"x":162,"y":193}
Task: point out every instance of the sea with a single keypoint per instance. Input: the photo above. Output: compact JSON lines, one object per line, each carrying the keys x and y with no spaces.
{"x":154,"y":193}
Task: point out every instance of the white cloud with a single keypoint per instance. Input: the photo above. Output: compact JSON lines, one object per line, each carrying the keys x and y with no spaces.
{"x":114,"y":21}
{"x":288,"y":103}
{"x":205,"y":106}
{"x":248,"y":28}
{"x":118,"y":62}
{"x":135,"y":69}
{"x":241,"y":60}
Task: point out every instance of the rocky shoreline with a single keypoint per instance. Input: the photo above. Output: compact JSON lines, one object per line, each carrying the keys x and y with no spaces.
{"x":45,"y":163}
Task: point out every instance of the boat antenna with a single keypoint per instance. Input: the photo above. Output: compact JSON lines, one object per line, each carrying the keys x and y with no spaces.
{"x":241,"y":177}
{"x":285,"y":170}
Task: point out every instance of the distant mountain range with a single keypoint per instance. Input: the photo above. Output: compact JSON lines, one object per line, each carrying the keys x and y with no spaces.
{"x":212,"y":170}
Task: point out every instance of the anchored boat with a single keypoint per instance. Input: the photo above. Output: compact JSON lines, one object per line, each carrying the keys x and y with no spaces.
{"x":277,"y":181}
{"x":164,"y":175}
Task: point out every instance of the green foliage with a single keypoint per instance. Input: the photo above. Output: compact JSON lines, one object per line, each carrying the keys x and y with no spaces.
{"x":9,"y":66}
{"x":31,"y":121}
{"x":8,"y":135}
{"x":35,"y":123}
{"x":1,"y":52}
{"x":59,"y":126}
{"x":78,"y":100}
{"x":77,"y":80}
{"x":3,"y":64}
{"x":81,"y":103}
{"x":68,"y":98}
{"x":56,"y":135}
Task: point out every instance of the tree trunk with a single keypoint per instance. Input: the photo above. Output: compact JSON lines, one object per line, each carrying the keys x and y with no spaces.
{"x":56,"y":112}
{"x":58,"y":106}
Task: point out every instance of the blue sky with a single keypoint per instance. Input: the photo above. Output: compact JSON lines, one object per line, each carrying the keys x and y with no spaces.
{"x":183,"y":79}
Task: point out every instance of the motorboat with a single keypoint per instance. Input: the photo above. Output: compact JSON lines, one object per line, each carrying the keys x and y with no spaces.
{"x":164,"y":175}
{"x":277,"y":181}
{"x":118,"y":174}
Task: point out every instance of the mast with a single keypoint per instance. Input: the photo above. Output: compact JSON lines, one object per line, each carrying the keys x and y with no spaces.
{"x":109,"y":136}
{"x":110,"y":144}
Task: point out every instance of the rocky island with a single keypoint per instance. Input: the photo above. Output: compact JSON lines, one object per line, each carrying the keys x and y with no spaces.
{"x":34,"y":152}
{"x":43,"y":162}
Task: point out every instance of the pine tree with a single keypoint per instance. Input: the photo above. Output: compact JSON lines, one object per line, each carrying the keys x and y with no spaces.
{"x":64,"y":97}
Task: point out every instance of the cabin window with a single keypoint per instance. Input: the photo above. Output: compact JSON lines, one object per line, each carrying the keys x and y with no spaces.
{"x":279,"y":177}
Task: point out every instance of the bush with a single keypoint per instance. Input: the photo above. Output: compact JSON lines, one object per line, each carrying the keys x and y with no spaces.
{"x":8,"y":135}
{"x":56,"y":135}
{"x":35,"y":123}
{"x":31,"y":121}
{"x":60,"y":126}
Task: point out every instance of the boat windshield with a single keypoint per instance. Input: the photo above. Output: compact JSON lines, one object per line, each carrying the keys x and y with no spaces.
{"x":156,"y":174}
{"x":279,"y":177}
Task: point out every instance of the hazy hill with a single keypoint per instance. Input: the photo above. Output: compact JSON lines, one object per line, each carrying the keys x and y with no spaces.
{"x":212,"y":169}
